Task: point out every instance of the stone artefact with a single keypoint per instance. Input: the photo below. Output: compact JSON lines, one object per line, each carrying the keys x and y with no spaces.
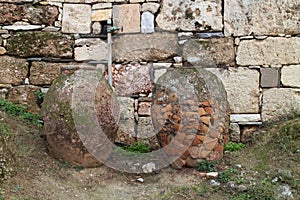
{"x":42,"y":73}
{"x":2,"y":50}
{"x":272,"y":51}
{"x":146,"y":133}
{"x":242,"y":86}
{"x":269,"y":77}
{"x":61,"y":132}
{"x":90,"y":49}
{"x":101,"y":15}
{"x":150,"y":7}
{"x":280,"y":102}
{"x":290,"y":75}
{"x":144,"y":108}
{"x":145,"y":47}
{"x":210,"y":52}
{"x":76,"y":18}
{"x":13,"y":70}
{"x":128,"y":17}
{"x":189,"y":15}
{"x":261,"y":17}
{"x":40,"y":44}
{"x":11,"y":13}
{"x":147,"y":23}
{"x":234,"y":132}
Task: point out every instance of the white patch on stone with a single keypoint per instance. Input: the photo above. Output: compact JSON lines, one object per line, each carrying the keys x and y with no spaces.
{"x":147,"y":23}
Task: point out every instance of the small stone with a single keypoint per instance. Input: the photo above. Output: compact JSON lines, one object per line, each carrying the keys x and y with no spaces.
{"x":242,"y":188}
{"x":51,"y":29}
{"x":101,"y":15}
{"x":178,"y":59}
{"x":210,"y":35}
{"x":150,"y":7}
{"x":96,"y":28}
{"x":234,"y":132}
{"x":147,"y":23}
{"x":283,"y":192}
{"x":212,"y":174}
{"x":214,"y":183}
{"x":260,"y":37}
{"x":245,"y":117}
{"x":230,"y":185}
{"x":23,"y":28}
{"x":246,"y":37}
{"x":5,"y":36}
{"x":149,"y":167}
{"x":141,"y":180}
{"x":101,"y":6}
{"x":144,"y":108}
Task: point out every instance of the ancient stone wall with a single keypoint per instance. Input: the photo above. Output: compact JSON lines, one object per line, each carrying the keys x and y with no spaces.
{"x":253,"y":46}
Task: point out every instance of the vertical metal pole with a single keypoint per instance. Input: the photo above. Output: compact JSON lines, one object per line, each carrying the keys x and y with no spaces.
{"x":109,"y":40}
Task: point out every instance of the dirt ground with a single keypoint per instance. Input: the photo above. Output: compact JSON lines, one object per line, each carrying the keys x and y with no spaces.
{"x":35,"y":175}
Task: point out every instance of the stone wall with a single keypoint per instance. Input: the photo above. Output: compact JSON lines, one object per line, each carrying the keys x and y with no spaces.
{"x":253,"y":46}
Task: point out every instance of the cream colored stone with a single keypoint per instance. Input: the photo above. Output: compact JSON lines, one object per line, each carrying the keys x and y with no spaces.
{"x":101,"y":15}
{"x":280,"y":102}
{"x":151,"y":7}
{"x":101,"y":6}
{"x":290,"y":76}
{"x":128,"y":17}
{"x":242,"y":86}
{"x":261,"y":17}
{"x":189,"y":15}
{"x":91,"y":49}
{"x":2,"y":50}
{"x":271,"y":51}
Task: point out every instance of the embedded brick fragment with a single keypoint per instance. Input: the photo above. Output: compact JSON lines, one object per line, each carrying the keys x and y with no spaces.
{"x":13,"y":70}
{"x":101,"y":15}
{"x":42,"y":73}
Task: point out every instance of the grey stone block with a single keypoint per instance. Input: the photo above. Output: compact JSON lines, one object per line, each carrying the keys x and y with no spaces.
{"x":269,"y":77}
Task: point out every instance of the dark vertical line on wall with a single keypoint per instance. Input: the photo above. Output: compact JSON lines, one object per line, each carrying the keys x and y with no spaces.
{"x":222,"y":12}
{"x":28,"y":72}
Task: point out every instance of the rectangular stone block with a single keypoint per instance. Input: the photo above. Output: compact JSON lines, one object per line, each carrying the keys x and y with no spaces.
{"x":242,"y":87}
{"x":43,"y":73}
{"x":147,"y":24}
{"x":13,"y":70}
{"x":271,"y":51}
{"x":269,"y":77}
{"x":245,"y":117}
{"x":101,"y":15}
{"x":146,"y":132}
{"x":290,"y":76}
{"x":90,"y":49}
{"x":261,"y":17}
{"x":128,"y":17}
{"x":76,"y":18}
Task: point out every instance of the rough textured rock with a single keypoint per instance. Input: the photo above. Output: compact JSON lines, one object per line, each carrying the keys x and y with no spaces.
{"x":150,"y":7}
{"x":234,"y":132}
{"x":76,"y":18}
{"x":145,"y":47}
{"x":146,"y":133}
{"x":91,"y":49}
{"x":11,"y":13}
{"x":269,"y":77}
{"x":242,"y":86}
{"x":261,"y":17}
{"x":42,"y":73}
{"x":24,"y":95}
{"x":30,"y":44}
{"x":147,"y":23}
{"x":101,"y":15}
{"x":189,"y":15}
{"x":210,"y":52}
{"x":144,"y":108}
{"x":63,"y":139}
{"x":290,"y":76}
{"x":128,"y":17}
{"x":13,"y":70}
{"x":133,"y":79}
{"x":280,"y":102}
{"x":272,"y":51}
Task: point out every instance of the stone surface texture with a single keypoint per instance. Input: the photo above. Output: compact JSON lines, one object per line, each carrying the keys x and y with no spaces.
{"x":13,"y":70}
{"x":242,"y":86}
{"x":261,"y":17}
{"x":150,"y":7}
{"x":76,"y":18}
{"x":272,"y":51}
{"x":101,"y":15}
{"x":128,"y":17}
{"x":43,"y":73}
{"x":290,"y":76}
{"x":147,"y":23}
{"x":269,"y":77}
{"x":189,"y":15}
{"x":145,"y":47}
{"x":90,"y":49}
{"x":279,"y":102}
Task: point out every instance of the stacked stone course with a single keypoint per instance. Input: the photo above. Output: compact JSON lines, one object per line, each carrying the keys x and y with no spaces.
{"x":252,"y":46}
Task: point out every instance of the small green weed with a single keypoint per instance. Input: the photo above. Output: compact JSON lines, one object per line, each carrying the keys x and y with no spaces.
{"x":207,"y":166}
{"x":137,"y":147}
{"x":234,"y":146}
{"x":226,"y":175}
{"x":40,"y":97}
{"x":20,"y":112}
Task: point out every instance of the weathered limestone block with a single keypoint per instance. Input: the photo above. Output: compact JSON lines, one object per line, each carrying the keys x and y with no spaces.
{"x":91,"y":49}
{"x":234,"y":132}
{"x":76,"y":18}
{"x":126,"y":127}
{"x":145,"y":47}
{"x":242,"y":86}
{"x":245,"y":117}
{"x":48,"y":44}
{"x":271,"y":51}
{"x":134,"y":79}
{"x":290,"y":76}
{"x":13,"y":70}
{"x":11,"y":13}
{"x":101,"y":6}
{"x":189,"y":15}
{"x":146,"y":132}
{"x":43,"y":73}
{"x":24,"y":95}
{"x":261,"y":17}
{"x":210,"y":52}
{"x":147,"y":24}
{"x":128,"y":17}
{"x":269,"y":77}
{"x":101,"y":15}
{"x":150,"y":7}
{"x":280,"y":102}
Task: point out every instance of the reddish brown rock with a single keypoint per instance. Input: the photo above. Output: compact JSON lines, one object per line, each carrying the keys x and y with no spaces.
{"x":144,"y":108}
{"x":13,"y":70}
{"x":210,"y":143}
{"x":42,"y":73}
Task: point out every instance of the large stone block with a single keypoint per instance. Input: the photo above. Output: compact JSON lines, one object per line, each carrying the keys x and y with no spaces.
{"x":146,"y":132}
{"x":280,"y":102}
{"x":145,"y":47}
{"x":76,"y":18}
{"x":261,"y":17}
{"x":91,"y":49}
{"x":46,"y":44}
{"x":128,"y":17}
{"x":290,"y":76}
{"x":271,"y":51}
{"x":13,"y":70}
{"x":190,"y":15}
{"x":11,"y":13}
{"x":101,"y":15}
{"x":242,"y":86}
{"x":43,"y":73}
{"x":210,"y":52}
